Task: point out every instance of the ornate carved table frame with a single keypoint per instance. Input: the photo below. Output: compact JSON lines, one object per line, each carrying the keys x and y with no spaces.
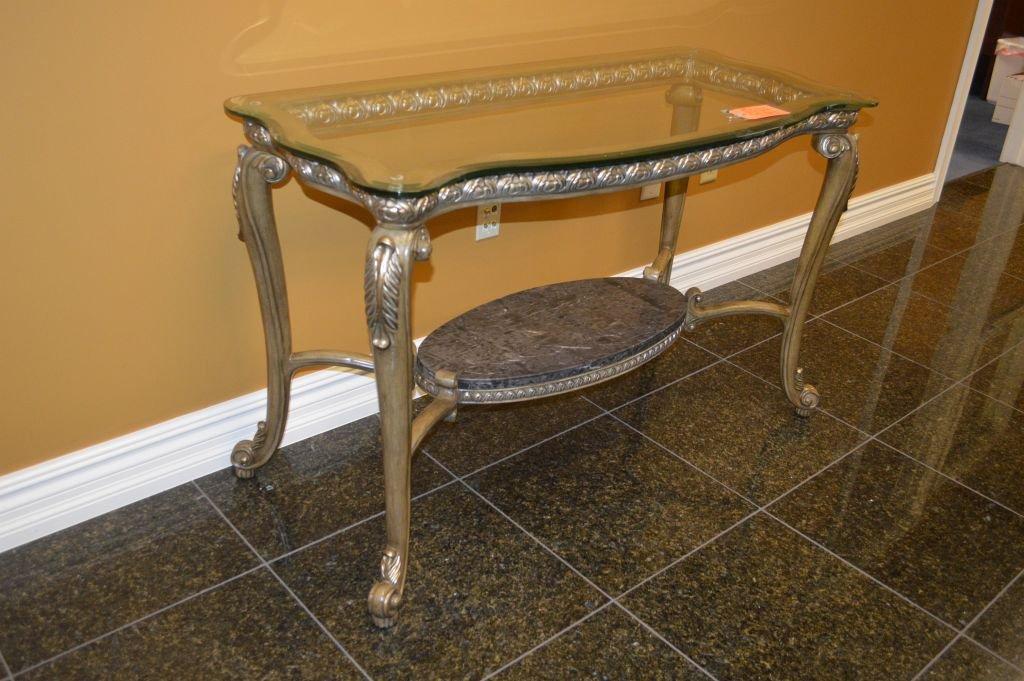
{"x":400,"y":239}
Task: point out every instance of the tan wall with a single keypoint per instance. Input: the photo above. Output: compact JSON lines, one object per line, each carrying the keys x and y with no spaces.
{"x":127,"y":299}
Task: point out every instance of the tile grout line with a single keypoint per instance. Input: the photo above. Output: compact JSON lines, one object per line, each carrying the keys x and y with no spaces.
{"x":342,"y":530}
{"x":973,"y":371}
{"x":138,"y":620}
{"x":615,"y":601}
{"x":951,"y":479}
{"x":823,"y":317}
{"x":968,"y":637}
{"x":718,"y":360}
{"x":664,"y":640}
{"x":426,"y":450}
{"x":6,"y":668}
{"x":843,"y":263}
{"x":546,"y":641}
{"x":764,"y":509}
{"x":868,"y":438}
{"x":889,"y":350}
{"x":963,"y":382}
{"x":760,"y":509}
{"x":862,"y":571}
{"x":951,"y":254}
{"x":525,"y":531}
{"x":680,"y":559}
{"x":284,"y":585}
{"x":994,"y":399}
{"x":962,"y":633}
{"x":952,"y":385}
{"x":672,"y":453}
{"x":1019,"y":345}
{"x":610,"y":599}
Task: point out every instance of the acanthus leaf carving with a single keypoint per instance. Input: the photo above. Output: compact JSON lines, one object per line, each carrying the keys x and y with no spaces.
{"x":382,"y":282}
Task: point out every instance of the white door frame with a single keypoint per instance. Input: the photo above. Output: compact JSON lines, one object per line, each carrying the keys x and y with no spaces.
{"x":963,"y":86}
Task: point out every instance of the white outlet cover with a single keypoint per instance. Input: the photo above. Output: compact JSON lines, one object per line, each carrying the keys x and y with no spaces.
{"x":488,"y":221}
{"x":650,"y":191}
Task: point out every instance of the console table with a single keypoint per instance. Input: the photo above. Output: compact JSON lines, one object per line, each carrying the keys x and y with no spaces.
{"x":411,"y":149}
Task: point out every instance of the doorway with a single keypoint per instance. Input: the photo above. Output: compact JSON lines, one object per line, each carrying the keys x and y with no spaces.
{"x":989,"y":102}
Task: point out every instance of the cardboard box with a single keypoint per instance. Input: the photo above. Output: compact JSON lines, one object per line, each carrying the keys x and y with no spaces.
{"x":1009,"y":93}
{"x":1009,"y":60}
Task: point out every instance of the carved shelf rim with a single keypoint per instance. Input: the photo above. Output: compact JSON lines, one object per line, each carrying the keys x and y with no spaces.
{"x":601,"y":327}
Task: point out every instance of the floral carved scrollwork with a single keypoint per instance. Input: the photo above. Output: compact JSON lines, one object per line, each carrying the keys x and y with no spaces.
{"x":331,"y":111}
{"x":257,"y":134}
{"x":391,"y":566}
{"x":271,"y":167}
{"x":381,"y":286}
{"x":385,"y":596}
{"x":833,"y":146}
{"x":414,"y":210}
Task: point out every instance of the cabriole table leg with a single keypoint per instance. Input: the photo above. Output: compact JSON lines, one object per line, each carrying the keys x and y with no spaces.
{"x":671,"y":218}
{"x":256,"y":171}
{"x":389,"y":261}
{"x":840,"y":177}
{"x":841,"y":151}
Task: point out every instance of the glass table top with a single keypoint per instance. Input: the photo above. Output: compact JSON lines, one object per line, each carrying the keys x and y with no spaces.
{"x":414,"y":135}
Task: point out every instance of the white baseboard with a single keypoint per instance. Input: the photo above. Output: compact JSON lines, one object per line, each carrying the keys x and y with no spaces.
{"x":64,"y":491}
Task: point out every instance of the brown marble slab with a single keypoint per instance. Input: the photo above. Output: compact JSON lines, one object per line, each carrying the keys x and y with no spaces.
{"x":551,"y":332}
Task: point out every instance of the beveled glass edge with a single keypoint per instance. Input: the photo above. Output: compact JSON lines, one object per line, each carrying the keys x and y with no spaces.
{"x":412,"y":210}
{"x":443,"y":92}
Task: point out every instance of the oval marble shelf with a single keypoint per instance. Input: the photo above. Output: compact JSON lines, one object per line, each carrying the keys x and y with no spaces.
{"x":551,"y":339}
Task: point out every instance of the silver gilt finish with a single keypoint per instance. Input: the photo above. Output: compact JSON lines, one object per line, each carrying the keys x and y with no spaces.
{"x":400,"y":239}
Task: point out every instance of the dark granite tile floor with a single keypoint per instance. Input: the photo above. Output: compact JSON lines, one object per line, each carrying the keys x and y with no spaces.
{"x":966,"y":661}
{"x":677,"y":523}
{"x":932,"y":540}
{"x":1001,"y":627}
{"x":312,"y":488}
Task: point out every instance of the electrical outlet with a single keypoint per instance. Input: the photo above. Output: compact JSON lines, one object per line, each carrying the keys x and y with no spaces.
{"x":650,"y":191}
{"x":708,"y":176}
{"x":488,"y":221}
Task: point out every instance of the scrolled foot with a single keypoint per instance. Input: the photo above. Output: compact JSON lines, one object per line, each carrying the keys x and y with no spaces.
{"x":383,"y":603}
{"x":694,"y":297}
{"x":243,"y":456}
{"x":807,"y":398}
